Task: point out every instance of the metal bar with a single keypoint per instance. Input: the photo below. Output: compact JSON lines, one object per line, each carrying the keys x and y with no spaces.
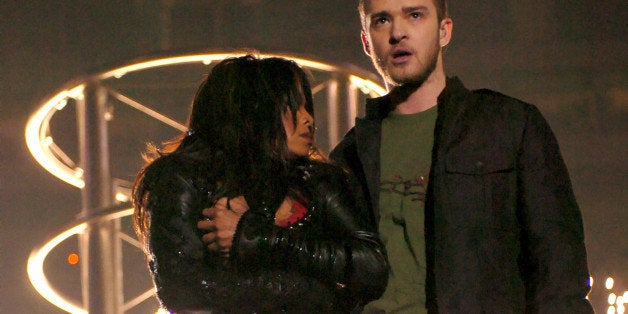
{"x":332,"y":111}
{"x":352,"y":104}
{"x":150,"y":112}
{"x":101,"y":268}
{"x":139,"y":299}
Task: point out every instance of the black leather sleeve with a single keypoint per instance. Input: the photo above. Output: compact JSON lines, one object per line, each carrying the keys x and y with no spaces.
{"x":178,"y":260}
{"x":328,"y":244}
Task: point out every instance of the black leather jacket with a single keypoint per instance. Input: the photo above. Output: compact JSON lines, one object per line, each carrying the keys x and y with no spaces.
{"x":325,"y":262}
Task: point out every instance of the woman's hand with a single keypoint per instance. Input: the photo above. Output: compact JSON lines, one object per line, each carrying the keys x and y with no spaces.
{"x":221,"y":223}
{"x":289,"y":212}
{"x":284,"y":211}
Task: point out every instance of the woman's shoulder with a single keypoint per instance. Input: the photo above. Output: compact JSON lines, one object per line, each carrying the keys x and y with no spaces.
{"x":186,"y":158}
{"x":323,"y":170}
{"x":172,"y":168}
{"x":171,"y":163}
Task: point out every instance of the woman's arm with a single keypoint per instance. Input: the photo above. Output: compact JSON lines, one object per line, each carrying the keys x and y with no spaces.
{"x":178,"y":259}
{"x":329,"y":246}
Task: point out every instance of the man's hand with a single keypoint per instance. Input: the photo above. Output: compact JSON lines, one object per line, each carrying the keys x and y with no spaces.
{"x":221,"y":223}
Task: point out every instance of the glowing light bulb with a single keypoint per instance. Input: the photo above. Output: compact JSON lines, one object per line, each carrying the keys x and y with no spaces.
{"x":121,"y":197}
{"x":609,"y":283}
{"x":61,"y":104}
{"x":47,"y":141}
{"x":73,"y":259}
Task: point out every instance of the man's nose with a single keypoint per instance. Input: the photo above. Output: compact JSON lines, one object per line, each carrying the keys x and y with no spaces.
{"x":398,"y":32}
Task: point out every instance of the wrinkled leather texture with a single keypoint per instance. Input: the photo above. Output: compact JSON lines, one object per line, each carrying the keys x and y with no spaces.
{"x":324,"y":263}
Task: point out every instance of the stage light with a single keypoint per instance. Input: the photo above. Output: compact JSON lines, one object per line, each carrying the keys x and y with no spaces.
{"x":38,"y":140}
{"x":73,"y":259}
{"x":609,"y":283}
{"x":35,"y":265}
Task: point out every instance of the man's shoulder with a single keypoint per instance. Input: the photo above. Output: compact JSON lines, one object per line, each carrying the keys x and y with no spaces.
{"x":486,"y":95}
{"x":490,"y":101}
{"x":456,"y":96}
{"x":342,"y":148}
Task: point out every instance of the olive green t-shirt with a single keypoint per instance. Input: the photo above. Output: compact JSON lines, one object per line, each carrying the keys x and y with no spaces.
{"x":406,"y":150}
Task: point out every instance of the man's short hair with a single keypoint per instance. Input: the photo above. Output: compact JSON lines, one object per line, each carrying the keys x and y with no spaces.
{"x":441,"y":10}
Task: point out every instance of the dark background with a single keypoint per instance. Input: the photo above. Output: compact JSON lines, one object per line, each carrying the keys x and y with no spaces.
{"x":567,"y":57}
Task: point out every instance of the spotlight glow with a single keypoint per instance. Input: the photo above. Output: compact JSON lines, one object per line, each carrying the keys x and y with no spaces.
{"x":35,"y":265}
{"x":38,"y":140}
{"x":35,"y":268}
{"x":610,"y":282}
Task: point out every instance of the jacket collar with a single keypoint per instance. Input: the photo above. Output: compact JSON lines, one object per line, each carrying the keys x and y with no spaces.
{"x":379,"y":108}
{"x":451,"y":104}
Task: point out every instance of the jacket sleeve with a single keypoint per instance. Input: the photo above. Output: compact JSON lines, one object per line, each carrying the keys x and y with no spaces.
{"x":342,"y":255}
{"x":345,"y":155}
{"x":178,"y":260}
{"x":555,"y":262}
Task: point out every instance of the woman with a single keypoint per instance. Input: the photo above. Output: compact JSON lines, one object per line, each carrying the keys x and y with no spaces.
{"x":296,"y":245}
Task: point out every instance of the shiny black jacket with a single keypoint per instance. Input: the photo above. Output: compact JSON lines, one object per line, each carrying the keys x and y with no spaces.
{"x":325,"y":262}
{"x":503,"y":230}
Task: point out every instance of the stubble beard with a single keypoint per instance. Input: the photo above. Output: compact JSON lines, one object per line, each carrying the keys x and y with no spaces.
{"x":417,"y":79}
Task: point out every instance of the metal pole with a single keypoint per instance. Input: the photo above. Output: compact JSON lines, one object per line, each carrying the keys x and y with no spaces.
{"x":332,"y":111}
{"x":100,"y":247}
{"x":352,"y":104}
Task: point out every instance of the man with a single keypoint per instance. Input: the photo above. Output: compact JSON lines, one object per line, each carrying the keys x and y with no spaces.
{"x":467,"y":188}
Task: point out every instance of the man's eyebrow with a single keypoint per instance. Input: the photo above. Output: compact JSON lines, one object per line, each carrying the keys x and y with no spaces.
{"x":404,"y":10}
{"x":415,"y":8}
{"x":379,"y":14}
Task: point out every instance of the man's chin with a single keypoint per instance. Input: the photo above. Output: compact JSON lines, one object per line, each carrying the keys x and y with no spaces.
{"x":406,"y":81}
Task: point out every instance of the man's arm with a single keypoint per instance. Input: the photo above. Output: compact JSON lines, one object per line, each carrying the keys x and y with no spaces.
{"x":555,"y":262}
{"x":345,"y":155}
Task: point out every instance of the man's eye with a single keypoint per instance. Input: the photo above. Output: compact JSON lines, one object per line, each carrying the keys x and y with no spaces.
{"x":415,"y":15}
{"x":381,"y":20}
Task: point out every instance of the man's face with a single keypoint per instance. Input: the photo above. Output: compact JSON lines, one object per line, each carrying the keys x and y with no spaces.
{"x":403,"y":38}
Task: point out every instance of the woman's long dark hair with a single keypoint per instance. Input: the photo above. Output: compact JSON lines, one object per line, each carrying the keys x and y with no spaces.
{"x":236,"y":130}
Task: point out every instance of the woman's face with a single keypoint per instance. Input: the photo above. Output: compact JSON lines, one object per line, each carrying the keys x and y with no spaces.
{"x":300,"y":138}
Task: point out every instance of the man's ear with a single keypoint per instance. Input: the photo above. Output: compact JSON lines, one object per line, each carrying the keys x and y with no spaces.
{"x":365,"y":43}
{"x":446,"y":26}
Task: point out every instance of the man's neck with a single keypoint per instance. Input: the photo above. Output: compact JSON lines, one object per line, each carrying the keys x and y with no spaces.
{"x":422,"y":98}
